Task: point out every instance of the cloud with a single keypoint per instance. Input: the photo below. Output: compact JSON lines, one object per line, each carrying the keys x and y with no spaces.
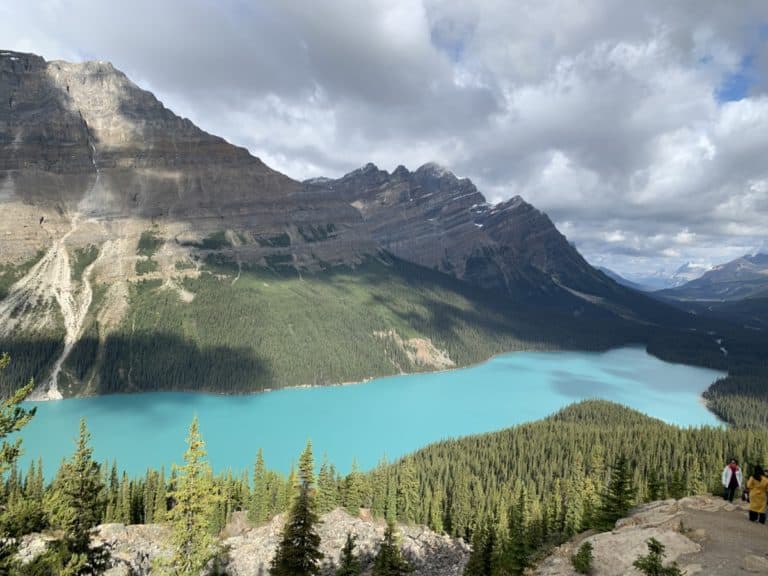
{"x":640,"y":128}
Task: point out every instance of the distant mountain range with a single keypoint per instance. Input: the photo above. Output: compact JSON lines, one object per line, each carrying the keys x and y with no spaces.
{"x":744,"y":277}
{"x":138,"y":252}
{"x":659,"y":280}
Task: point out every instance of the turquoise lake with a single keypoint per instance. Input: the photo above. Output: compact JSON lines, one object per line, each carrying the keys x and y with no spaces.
{"x":383,"y":417}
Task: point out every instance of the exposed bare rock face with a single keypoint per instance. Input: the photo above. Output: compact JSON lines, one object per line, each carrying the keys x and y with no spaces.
{"x":437,"y":220}
{"x":90,"y":161}
{"x":83,"y":139}
{"x":134,"y":548}
{"x":705,"y":535}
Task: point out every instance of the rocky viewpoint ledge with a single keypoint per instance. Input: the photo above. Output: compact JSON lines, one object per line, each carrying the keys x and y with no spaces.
{"x":251,"y":550}
{"x":705,"y":535}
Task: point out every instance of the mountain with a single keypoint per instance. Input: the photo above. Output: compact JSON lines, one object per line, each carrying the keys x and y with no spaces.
{"x":141,"y":253}
{"x":619,"y":279}
{"x":744,"y":277}
{"x":687,"y":273}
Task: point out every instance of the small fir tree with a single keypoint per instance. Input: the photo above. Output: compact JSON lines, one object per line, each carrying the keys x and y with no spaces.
{"x":191,"y":517}
{"x":298,"y":553}
{"x":80,"y":498}
{"x":653,"y":563}
{"x":619,"y":496}
{"x":582,"y":560}
{"x":349,"y":563}
{"x":259,"y":509}
{"x":389,"y":560}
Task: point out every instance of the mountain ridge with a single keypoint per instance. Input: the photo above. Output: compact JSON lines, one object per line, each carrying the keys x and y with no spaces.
{"x":113,"y":201}
{"x":742,"y":278}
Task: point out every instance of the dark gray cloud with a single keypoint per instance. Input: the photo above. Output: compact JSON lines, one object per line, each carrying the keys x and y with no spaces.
{"x":612,"y":117}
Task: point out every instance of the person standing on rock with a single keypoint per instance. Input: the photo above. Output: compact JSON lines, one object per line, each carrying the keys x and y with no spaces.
{"x":758,"y":494}
{"x":732,"y":479}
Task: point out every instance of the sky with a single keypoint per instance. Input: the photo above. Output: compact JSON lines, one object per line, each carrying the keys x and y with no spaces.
{"x":640,"y":128}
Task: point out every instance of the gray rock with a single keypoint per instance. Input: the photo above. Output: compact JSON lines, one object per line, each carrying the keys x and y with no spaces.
{"x":135,"y":548}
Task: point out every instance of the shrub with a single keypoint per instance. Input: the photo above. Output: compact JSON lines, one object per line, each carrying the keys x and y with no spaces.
{"x":582,"y":560}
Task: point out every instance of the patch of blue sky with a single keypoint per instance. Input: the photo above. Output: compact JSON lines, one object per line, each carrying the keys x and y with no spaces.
{"x":735,"y":86}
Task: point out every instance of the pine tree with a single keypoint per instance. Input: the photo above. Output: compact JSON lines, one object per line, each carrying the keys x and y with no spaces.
{"x":653,"y":563}
{"x":436,"y":511}
{"x":655,"y":487}
{"x":483,"y":558}
{"x":619,"y":496}
{"x":516,"y":555}
{"x":191,"y":516}
{"x":389,"y":560}
{"x":379,"y":477}
{"x":80,"y":495}
{"x":574,"y":498}
{"x":353,"y":490}
{"x":327,"y":498}
{"x":12,"y":419}
{"x":124,"y":500}
{"x":160,"y":504}
{"x":390,"y":509}
{"x":298,"y":553}
{"x":259,"y":508}
{"x":349,"y":564}
{"x":407,"y":493}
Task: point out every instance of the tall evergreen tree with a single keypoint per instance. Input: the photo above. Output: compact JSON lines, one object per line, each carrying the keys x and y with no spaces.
{"x":407,"y":492}
{"x":12,"y":419}
{"x":160,"y":504}
{"x":192,"y":514}
{"x":81,"y":498}
{"x":389,"y":560}
{"x":619,"y":495}
{"x":259,"y":509}
{"x":349,"y":563}
{"x":353,"y":490}
{"x":327,"y":494}
{"x":298,"y":553}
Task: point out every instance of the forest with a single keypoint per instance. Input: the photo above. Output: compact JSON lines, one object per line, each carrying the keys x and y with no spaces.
{"x":513,"y":494}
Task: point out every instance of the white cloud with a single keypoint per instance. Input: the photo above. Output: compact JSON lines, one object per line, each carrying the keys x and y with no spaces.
{"x":604,"y":114}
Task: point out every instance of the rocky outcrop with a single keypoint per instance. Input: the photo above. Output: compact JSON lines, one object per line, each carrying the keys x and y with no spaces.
{"x":89,"y":159}
{"x":83,"y":139}
{"x":705,"y":535}
{"x":431,"y":554}
{"x":135,"y":548}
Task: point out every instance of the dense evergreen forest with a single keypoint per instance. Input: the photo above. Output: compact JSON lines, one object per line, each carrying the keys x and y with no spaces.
{"x":248,"y":323}
{"x":513,"y":493}
{"x":244,"y":335}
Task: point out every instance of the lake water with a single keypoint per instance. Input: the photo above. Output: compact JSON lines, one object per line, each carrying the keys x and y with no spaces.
{"x":384,"y":417}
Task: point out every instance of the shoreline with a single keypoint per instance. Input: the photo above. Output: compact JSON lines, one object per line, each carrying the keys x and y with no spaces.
{"x":700,"y":398}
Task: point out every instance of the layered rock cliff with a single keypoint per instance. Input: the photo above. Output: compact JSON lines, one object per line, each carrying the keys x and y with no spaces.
{"x":101,"y":186}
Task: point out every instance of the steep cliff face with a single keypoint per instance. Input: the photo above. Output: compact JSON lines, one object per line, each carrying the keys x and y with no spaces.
{"x":102,"y":187}
{"x":437,"y":220}
{"x":85,"y":138}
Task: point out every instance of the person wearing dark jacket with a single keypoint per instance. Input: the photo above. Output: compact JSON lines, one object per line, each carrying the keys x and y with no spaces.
{"x":731,"y":479}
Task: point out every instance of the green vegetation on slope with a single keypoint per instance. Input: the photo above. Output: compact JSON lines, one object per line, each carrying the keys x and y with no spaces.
{"x":149,"y":242}
{"x":81,"y":259}
{"x":730,"y":337}
{"x":10,"y":273}
{"x":269,"y":330}
{"x":512,"y":493}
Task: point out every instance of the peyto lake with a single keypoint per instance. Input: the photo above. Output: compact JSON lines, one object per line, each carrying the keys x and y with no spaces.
{"x":383,"y":417}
